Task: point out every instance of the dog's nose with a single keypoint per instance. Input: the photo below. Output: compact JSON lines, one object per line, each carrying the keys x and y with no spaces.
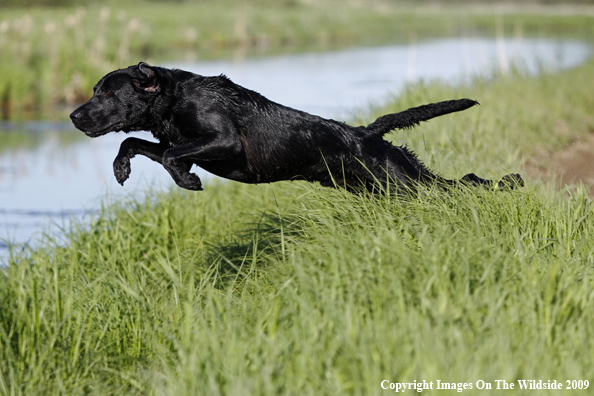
{"x":75,"y":115}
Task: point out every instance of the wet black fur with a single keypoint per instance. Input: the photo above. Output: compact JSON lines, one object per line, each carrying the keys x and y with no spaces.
{"x":238,"y":134}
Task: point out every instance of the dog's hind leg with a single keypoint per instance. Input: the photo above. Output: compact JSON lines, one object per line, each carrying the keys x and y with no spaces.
{"x":413,"y":116}
{"x":507,"y":182}
{"x":394,"y":169}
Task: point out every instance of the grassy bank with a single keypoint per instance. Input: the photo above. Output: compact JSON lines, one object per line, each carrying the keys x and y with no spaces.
{"x":52,"y":57}
{"x":295,"y":289}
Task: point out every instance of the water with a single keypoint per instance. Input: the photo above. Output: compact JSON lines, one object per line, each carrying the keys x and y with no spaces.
{"x":61,"y":173}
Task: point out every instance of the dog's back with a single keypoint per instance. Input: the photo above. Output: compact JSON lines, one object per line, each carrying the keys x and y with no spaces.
{"x":277,"y":140}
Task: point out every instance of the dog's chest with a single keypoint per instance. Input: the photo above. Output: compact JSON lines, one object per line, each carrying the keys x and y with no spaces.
{"x":172,"y":135}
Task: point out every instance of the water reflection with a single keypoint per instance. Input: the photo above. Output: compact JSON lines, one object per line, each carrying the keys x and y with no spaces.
{"x":55,"y":172}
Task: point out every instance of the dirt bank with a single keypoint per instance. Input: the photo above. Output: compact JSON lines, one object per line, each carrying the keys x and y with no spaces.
{"x":570,"y":165}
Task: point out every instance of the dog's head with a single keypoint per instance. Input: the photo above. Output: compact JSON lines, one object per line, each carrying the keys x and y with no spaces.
{"x":121,"y":101}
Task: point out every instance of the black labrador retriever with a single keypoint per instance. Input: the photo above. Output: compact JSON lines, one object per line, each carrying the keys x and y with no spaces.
{"x":238,"y":134}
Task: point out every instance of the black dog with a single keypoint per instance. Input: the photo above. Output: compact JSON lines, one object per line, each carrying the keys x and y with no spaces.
{"x":240,"y":135}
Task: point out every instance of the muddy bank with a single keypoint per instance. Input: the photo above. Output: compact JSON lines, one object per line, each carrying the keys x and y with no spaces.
{"x":571,"y":165}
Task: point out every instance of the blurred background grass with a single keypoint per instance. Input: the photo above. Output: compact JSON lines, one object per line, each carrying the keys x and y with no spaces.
{"x":53,"y":52}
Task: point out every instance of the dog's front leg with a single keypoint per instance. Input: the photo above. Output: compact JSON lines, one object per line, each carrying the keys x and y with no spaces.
{"x":179,"y":160}
{"x":131,"y":147}
{"x":180,"y":172}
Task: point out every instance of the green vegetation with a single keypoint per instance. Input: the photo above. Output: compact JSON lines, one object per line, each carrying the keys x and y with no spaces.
{"x":54,"y":3}
{"x":292,"y":288}
{"x":52,"y":57}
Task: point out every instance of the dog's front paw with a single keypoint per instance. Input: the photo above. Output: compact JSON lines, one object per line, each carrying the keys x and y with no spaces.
{"x":189,"y":181}
{"x":121,"y":169}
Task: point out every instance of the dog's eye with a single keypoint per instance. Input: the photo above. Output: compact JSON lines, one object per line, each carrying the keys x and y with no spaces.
{"x":107,"y":93}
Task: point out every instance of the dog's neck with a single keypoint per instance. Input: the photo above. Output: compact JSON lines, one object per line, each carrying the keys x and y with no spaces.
{"x":158,"y":118}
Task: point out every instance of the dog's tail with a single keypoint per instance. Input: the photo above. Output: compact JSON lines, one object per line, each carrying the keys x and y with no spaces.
{"x":412,"y":117}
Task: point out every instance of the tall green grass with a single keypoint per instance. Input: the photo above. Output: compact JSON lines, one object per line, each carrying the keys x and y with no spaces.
{"x":321,"y":293}
{"x":292,"y":288}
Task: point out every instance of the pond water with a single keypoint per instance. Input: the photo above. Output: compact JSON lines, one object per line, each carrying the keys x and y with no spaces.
{"x":58,"y":173}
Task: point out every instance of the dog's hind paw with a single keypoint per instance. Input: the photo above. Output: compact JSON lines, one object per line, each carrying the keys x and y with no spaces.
{"x":121,"y":169}
{"x":511,"y":181}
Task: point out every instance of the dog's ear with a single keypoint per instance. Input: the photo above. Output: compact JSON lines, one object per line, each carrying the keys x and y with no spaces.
{"x":149,"y":78}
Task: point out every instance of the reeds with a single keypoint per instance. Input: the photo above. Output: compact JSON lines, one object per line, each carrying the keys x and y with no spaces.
{"x":50,"y":58}
{"x":56,"y":60}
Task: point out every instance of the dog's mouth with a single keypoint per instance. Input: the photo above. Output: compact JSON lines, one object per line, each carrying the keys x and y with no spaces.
{"x":112,"y":128}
